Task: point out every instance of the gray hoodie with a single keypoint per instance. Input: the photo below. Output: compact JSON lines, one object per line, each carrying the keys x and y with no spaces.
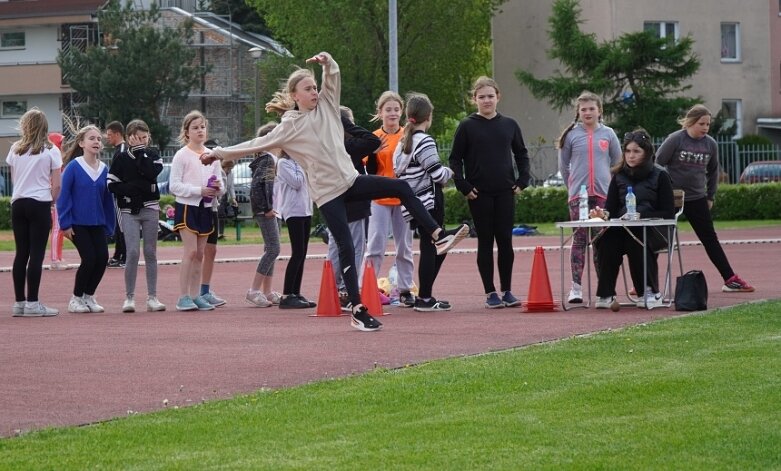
{"x":586,"y":158}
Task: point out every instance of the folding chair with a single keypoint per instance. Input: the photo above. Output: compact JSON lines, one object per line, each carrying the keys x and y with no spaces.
{"x":672,"y":233}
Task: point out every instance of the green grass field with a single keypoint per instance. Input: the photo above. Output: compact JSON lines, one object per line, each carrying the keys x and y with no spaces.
{"x":695,"y":392}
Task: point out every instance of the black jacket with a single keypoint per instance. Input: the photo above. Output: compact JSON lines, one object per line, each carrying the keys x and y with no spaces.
{"x":132,"y":177}
{"x":358,"y":142}
{"x":261,"y":193}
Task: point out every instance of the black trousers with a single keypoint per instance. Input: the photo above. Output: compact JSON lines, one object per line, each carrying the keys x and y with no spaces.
{"x":494,"y":215}
{"x":90,"y":241}
{"x":429,"y":262}
{"x":611,"y":247}
{"x":368,"y":187}
{"x":698,"y":215}
{"x":31,"y":222}
{"x":298,"y":229}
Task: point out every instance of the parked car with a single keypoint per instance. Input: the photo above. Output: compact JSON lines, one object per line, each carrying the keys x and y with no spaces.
{"x":242,"y":178}
{"x":762,"y":172}
{"x":553,"y":179}
{"x":162,"y":179}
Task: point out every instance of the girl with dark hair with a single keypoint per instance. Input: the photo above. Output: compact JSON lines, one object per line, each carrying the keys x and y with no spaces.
{"x":654,"y":194}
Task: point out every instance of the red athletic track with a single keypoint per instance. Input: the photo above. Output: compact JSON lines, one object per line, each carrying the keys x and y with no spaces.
{"x":81,"y":368}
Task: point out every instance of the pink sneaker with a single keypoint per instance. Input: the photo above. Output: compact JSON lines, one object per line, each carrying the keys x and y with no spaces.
{"x":384,"y":299}
{"x":736,"y":285}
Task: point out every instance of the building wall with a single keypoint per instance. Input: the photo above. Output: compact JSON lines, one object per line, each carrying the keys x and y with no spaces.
{"x":774,"y":19}
{"x":521,"y":40}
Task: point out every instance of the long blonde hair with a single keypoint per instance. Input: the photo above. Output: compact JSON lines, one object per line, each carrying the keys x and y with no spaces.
{"x":34,"y":133}
{"x":282,"y":100}
{"x":418,"y":110}
{"x":183,"y":138}
{"x":388,"y":95}
{"x":584,"y":96}
{"x":74,"y":149}
{"x":693,"y":115}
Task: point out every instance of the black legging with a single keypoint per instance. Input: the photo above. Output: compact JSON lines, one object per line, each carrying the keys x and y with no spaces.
{"x":698,"y":215}
{"x":429,"y":262}
{"x":90,"y":241}
{"x":298,"y":229}
{"x":494,"y":215}
{"x":368,"y":187}
{"x":31,"y":221}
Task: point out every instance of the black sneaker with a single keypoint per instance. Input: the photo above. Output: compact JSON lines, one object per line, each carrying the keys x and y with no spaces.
{"x":432,"y":305}
{"x":362,"y":320}
{"x":115,"y":263}
{"x":311,"y":304}
{"x":448,"y":239}
{"x":406,"y":299}
{"x":292,"y":301}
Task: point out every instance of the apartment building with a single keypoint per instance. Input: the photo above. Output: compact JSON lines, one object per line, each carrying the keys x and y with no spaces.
{"x":32,"y":32}
{"x":738,"y":44}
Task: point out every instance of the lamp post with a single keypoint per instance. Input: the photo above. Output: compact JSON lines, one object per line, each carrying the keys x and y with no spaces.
{"x":256,"y":54}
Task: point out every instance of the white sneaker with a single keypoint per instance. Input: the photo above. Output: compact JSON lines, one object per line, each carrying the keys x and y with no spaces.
{"x":18,"y":308}
{"x":92,"y":303}
{"x":274,"y":297}
{"x":129,"y":305}
{"x":605,"y":302}
{"x":256,"y":298}
{"x":153,"y":305}
{"x":575,"y":294}
{"x":77,"y":305}
{"x":37,"y":309}
{"x":652,"y":300}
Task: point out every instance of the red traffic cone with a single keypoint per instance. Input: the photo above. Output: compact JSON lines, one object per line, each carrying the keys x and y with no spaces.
{"x":328,"y":301}
{"x":370,"y":294}
{"x":540,"y":298}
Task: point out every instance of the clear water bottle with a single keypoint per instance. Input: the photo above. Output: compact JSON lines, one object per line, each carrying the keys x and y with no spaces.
{"x":393,"y":279}
{"x":583,"y":203}
{"x":631,"y":205}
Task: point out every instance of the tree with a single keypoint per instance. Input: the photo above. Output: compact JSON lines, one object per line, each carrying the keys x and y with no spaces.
{"x":135,"y":70}
{"x":443,"y":45}
{"x":638,"y":75}
{"x":239,"y":12}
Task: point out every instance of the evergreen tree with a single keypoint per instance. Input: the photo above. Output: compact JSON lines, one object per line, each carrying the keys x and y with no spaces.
{"x":639,"y":76}
{"x":135,"y":70}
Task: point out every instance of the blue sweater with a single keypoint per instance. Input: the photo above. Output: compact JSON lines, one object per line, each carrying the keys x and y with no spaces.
{"x":84,"y":201}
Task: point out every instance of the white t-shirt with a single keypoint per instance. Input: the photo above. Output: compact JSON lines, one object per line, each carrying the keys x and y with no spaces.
{"x":31,"y":173}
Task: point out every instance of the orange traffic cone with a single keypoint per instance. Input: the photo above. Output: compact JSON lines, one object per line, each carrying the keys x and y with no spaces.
{"x":328,"y":301}
{"x":540,"y":298}
{"x":370,"y":294}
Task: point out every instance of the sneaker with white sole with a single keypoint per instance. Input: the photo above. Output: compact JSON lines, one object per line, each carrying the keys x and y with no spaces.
{"x":509,"y":300}
{"x":154,"y":305}
{"x":575,"y":294}
{"x":736,"y":285}
{"x":202,"y":304}
{"x":185,"y":303}
{"x":213,"y":299}
{"x":432,"y":305}
{"x":129,"y":305}
{"x":77,"y":305}
{"x":274,"y":297}
{"x":493,"y":301}
{"x":652,"y":300}
{"x":37,"y":309}
{"x":605,"y":302}
{"x":59,"y":265}
{"x":363,"y":321}
{"x":18,"y":308}
{"x":449,"y":239}
{"x":258,"y":299}
{"x":92,"y":303}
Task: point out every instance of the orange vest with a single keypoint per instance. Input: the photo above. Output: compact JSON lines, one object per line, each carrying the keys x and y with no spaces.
{"x":385,"y":161}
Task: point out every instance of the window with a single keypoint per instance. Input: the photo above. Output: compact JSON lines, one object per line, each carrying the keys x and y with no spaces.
{"x":13,"y":108}
{"x":13,"y":39}
{"x":731,"y":111}
{"x":663,"y":29}
{"x":730,"y":42}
